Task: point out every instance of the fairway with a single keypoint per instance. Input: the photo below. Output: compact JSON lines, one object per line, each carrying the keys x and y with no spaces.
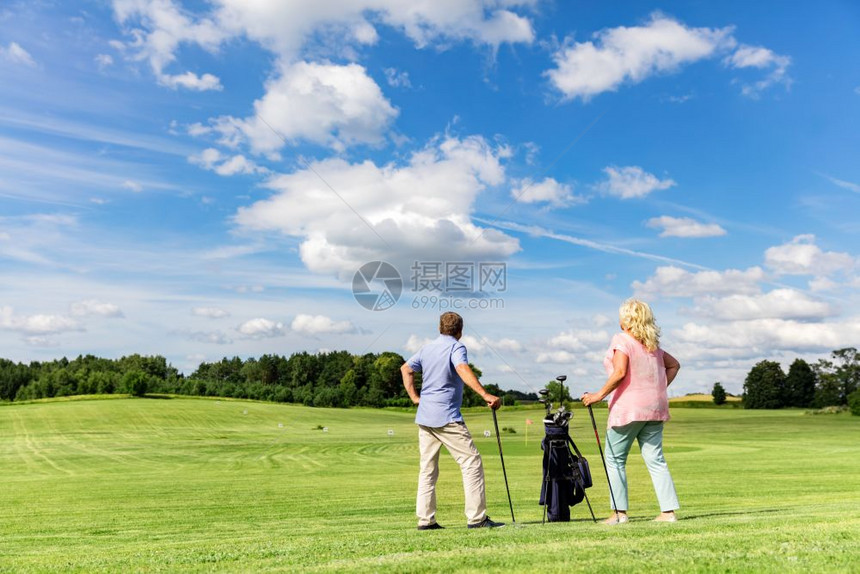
{"x":202,"y":485}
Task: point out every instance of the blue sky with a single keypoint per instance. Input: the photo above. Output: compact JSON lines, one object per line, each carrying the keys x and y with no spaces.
{"x":203,"y":179}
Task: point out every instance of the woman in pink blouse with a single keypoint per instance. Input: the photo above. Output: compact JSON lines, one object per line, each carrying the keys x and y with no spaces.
{"x":638,"y":373}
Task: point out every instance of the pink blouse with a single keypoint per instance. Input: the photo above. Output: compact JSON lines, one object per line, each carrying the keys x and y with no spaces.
{"x":642,"y":395}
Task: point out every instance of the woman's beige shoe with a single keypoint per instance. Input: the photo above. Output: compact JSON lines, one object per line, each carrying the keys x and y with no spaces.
{"x":662,"y":517}
{"x":616,"y":519}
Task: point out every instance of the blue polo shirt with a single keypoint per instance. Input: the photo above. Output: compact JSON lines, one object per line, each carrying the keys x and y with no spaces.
{"x":441,"y":386}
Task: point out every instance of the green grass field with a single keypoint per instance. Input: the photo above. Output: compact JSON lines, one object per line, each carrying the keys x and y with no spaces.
{"x":141,"y":485}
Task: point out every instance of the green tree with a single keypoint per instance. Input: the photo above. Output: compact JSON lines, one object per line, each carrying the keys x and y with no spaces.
{"x":764,"y":387}
{"x":719,"y":394}
{"x":854,"y":403}
{"x":135,"y":383}
{"x":556,"y":396}
{"x":847,"y":371}
{"x":800,"y":385}
{"x":13,"y":376}
{"x":828,"y":391}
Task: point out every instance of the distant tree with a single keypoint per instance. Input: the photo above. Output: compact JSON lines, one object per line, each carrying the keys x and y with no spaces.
{"x":135,"y":382}
{"x":514,"y":395}
{"x":13,"y":376}
{"x":854,"y":403}
{"x":719,"y":394}
{"x":828,"y":391}
{"x":836,"y":379}
{"x":764,"y":387}
{"x":555,"y":394}
{"x":800,"y":385}
{"x":847,"y":371}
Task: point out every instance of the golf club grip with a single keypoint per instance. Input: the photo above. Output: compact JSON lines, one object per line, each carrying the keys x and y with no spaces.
{"x":502,"y":457}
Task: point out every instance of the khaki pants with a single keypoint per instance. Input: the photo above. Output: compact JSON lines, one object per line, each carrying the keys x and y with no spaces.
{"x":458,"y":441}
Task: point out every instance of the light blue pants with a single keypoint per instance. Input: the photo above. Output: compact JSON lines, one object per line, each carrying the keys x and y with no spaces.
{"x":650,"y":437}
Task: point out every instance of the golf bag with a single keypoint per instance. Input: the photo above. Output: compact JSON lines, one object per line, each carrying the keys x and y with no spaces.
{"x":565,"y":475}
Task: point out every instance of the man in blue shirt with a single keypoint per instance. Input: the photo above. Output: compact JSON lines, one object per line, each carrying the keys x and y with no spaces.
{"x":445,"y":368}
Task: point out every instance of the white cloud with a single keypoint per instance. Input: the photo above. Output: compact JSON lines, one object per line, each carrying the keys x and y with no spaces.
{"x":260,"y":327}
{"x":191,"y":81}
{"x":822,"y":284}
{"x":776,"y":304}
{"x":157,"y":28}
{"x":557,"y":357}
{"x":580,"y":340}
{"x":632,"y":181}
{"x":95,"y":307}
{"x":39,"y":324}
{"x":676,"y":282}
{"x":207,"y":158}
{"x":210,"y":312}
{"x":283,"y":26}
{"x":802,"y":257}
{"x":214,"y":160}
{"x":103,"y":61}
{"x":320,"y":325}
{"x":217,"y":337}
{"x":328,"y":104}
{"x":415,"y":342}
{"x":415,"y":212}
{"x":632,"y":54}
{"x":321,"y":102}
{"x":36,"y":341}
{"x":15,"y":54}
{"x":760,"y":336}
{"x":397,"y":79}
{"x":849,"y":185}
{"x":760,"y":58}
{"x":685,"y":227}
{"x":549,"y":191}
{"x":132,"y":186}
{"x":483,"y":344}
{"x":751,"y":57}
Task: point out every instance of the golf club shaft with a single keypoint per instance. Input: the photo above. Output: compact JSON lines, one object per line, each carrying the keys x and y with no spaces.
{"x":501,"y":456}
{"x":600,"y":448}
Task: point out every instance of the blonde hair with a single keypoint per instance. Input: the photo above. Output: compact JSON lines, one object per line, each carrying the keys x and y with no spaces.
{"x":636,"y":316}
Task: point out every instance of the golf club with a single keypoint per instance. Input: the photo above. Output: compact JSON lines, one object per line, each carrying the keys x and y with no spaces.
{"x":597,"y":436}
{"x":499,"y":440}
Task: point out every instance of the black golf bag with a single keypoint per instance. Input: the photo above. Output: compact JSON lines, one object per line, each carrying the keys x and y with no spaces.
{"x":565,"y":475}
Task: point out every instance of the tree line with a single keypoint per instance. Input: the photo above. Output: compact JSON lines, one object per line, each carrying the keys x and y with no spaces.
{"x":828,"y":382}
{"x":331,"y":379}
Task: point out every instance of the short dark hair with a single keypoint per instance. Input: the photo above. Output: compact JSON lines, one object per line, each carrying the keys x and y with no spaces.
{"x":451,"y":323}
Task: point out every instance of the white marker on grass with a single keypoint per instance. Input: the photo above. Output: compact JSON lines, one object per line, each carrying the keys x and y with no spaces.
{"x":390,"y":432}
{"x":487,"y":433}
